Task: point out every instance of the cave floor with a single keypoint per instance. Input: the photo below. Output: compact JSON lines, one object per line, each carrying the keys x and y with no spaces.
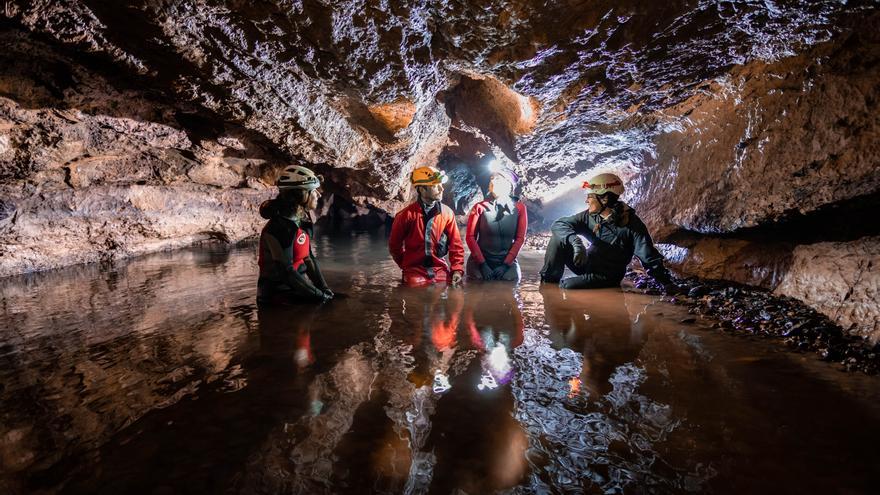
{"x":160,"y":375}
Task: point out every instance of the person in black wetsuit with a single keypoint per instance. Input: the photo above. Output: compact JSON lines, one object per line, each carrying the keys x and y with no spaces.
{"x":615,"y":234}
{"x":496,"y":230}
{"x":289,"y":272}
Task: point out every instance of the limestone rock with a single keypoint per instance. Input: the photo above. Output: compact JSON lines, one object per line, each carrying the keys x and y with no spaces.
{"x":840,"y":280}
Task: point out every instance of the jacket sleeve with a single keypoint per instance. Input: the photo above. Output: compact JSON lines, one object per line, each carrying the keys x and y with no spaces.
{"x":456,"y":248}
{"x":566,"y":227}
{"x":395,"y":240}
{"x":301,"y":284}
{"x":643,"y":248}
{"x":473,"y":222}
{"x":314,"y":271}
{"x":518,"y":241}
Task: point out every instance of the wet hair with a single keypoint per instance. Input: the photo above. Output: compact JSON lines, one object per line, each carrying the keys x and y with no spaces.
{"x":296,"y":197}
{"x":285,"y":204}
{"x":609,"y":199}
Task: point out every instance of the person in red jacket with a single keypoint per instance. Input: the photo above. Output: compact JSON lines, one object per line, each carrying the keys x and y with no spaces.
{"x":496,"y":230}
{"x":424,"y":232}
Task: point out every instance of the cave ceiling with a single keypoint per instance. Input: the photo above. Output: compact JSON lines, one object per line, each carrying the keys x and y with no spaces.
{"x":364,"y":90}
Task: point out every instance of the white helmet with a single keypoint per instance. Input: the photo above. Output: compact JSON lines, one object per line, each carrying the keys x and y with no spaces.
{"x":297,"y":177}
{"x":604,"y":183}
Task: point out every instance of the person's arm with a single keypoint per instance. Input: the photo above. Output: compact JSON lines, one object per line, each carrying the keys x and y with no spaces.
{"x":395,"y":240}
{"x":302,"y":284}
{"x":567,"y":228}
{"x":518,"y":241}
{"x":293,"y":278}
{"x":456,"y":248}
{"x":313,"y":268}
{"x":473,"y":224}
{"x":643,"y":248}
{"x":315,"y":275}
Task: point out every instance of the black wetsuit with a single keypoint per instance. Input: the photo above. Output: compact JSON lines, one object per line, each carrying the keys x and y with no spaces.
{"x":613,"y":242}
{"x":289,"y":272}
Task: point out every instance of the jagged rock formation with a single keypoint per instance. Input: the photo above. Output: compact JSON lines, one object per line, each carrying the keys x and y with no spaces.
{"x":149,"y":125}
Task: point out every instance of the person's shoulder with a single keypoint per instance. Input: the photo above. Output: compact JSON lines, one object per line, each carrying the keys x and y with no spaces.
{"x":446,"y":211}
{"x":480,"y":206}
{"x":410,"y":208}
{"x":579,"y":216}
{"x":279,"y":227}
{"x":632,"y":219}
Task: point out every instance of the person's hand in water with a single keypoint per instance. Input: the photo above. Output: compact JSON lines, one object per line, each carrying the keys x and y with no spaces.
{"x":499,"y":271}
{"x":485,"y":271}
{"x":456,"y":279}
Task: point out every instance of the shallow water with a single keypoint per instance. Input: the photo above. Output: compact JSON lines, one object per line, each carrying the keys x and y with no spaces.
{"x":161,"y":376}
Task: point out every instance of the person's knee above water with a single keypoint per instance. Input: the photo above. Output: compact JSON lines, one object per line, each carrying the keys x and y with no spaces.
{"x":424,"y":232}
{"x":615,"y":234}
{"x":496,"y":230}
{"x":289,"y":272}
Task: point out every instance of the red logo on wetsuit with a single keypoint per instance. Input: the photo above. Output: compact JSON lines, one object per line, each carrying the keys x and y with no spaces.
{"x":301,"y":239}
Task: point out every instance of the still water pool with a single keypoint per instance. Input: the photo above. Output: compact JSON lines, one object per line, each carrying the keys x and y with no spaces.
{"x":162,"y":376}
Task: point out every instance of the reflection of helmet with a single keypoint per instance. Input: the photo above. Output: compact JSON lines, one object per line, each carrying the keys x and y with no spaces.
{"x":604,"y":183}
{"x":427,"y":176}
{"x":297,"y":177}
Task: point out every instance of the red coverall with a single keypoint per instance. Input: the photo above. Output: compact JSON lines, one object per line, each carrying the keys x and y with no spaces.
{"x":421,"y":258}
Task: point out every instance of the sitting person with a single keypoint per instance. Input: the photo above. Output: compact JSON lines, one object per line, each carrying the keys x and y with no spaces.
{"x":496,"y":230}
{"x":424,"y":232}
{"x":615,"y":234}
{"x":289,"y":272}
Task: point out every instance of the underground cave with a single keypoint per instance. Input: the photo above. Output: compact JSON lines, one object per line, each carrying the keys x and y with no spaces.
{"x":146,"y":147}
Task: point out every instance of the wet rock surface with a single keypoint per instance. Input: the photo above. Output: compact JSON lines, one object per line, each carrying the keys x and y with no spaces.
{"x":750,"y":311}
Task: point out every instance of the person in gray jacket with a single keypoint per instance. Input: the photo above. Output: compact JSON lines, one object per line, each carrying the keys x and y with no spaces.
{"x":615,"y":234}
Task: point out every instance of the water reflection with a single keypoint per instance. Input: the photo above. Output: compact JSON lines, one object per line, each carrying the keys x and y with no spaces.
{"x":396,"y":390}
{"x":578,"y":397}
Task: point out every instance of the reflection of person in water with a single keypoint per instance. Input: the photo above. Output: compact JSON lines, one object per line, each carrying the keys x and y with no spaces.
{"x":488,"y":454}
{"x":430,"y":323}
{"x":495,"y":327}
{"x":284,"y":335}
{"x":597,"y":325}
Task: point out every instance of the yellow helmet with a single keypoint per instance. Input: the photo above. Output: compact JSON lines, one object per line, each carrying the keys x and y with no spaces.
{"x":604,"y":183}
{"x":427,"y":176}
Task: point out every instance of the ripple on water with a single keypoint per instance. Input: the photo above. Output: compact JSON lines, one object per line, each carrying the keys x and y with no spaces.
{"x":163,"y":373}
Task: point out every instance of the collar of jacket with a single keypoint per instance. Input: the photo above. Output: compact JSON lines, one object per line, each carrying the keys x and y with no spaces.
{"x":619,"y":216}
{"x":430,"y":211}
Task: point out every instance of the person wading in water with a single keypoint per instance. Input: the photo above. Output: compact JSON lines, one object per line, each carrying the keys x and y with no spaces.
{"x":289,"y":271}
{"x":496,"y":230}
{"x":424,"y":232}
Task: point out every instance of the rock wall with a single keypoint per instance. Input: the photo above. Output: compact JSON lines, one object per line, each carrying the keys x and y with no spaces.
{"x":789,"y":149}
{"x":840,"y":280}
{"x":768,"y":140}
{"x":93,"y":173}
